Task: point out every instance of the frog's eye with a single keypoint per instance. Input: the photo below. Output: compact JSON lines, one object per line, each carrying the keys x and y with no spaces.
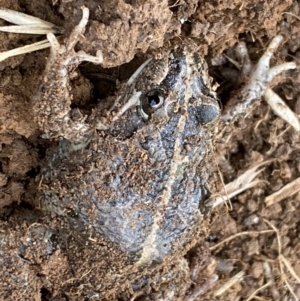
{"x":151,"y":101}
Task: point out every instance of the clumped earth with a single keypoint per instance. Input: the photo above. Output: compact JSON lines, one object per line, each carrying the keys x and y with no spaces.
{"x":259,"y":243}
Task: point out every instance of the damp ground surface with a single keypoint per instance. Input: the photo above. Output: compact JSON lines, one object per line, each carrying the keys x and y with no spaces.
{"x":251,"y":238}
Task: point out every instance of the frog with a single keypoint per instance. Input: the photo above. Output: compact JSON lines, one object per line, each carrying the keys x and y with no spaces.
{"x":128,"y":181}
{"x":136,"y":168}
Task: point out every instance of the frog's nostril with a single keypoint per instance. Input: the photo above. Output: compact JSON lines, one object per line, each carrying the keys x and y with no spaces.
{"x":207,"y":113}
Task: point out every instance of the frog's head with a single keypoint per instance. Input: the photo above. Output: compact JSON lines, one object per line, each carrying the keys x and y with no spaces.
{"x":177,"y":84}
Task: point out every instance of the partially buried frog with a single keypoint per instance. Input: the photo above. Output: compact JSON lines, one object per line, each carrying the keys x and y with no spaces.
{"x":127,"y":181}
{"x":131,"y":177}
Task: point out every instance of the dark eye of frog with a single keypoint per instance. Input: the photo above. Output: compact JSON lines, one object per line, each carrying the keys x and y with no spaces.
{"x":150,"y":102}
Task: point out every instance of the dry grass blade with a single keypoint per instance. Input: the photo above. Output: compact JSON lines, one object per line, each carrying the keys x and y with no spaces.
{"x":259,"y":289}
{"x":281,"y":109}
{"x":23,"y":20}
{"x":229,"y":283}
{"x":18,"y":18}
{"x":25,"y":49}
{"x":243,"y":182}
{"x":29,"y":25}
{"x":291,"y":291}
{"x":28,"y":29}
{"x":286,"y":191}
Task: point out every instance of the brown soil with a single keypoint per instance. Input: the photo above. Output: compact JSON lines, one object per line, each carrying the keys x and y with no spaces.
{"x":129,"y":29}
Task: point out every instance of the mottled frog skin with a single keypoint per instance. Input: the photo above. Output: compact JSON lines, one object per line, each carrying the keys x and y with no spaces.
{"x":136,"y":173}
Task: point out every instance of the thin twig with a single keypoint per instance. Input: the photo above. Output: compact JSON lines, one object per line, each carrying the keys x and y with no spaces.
{"x":282,"y":261}
{"x":288,"y":13}
{"x":289,"y":267}
{"x":259,"y":289}
{"x":237,"y":235}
